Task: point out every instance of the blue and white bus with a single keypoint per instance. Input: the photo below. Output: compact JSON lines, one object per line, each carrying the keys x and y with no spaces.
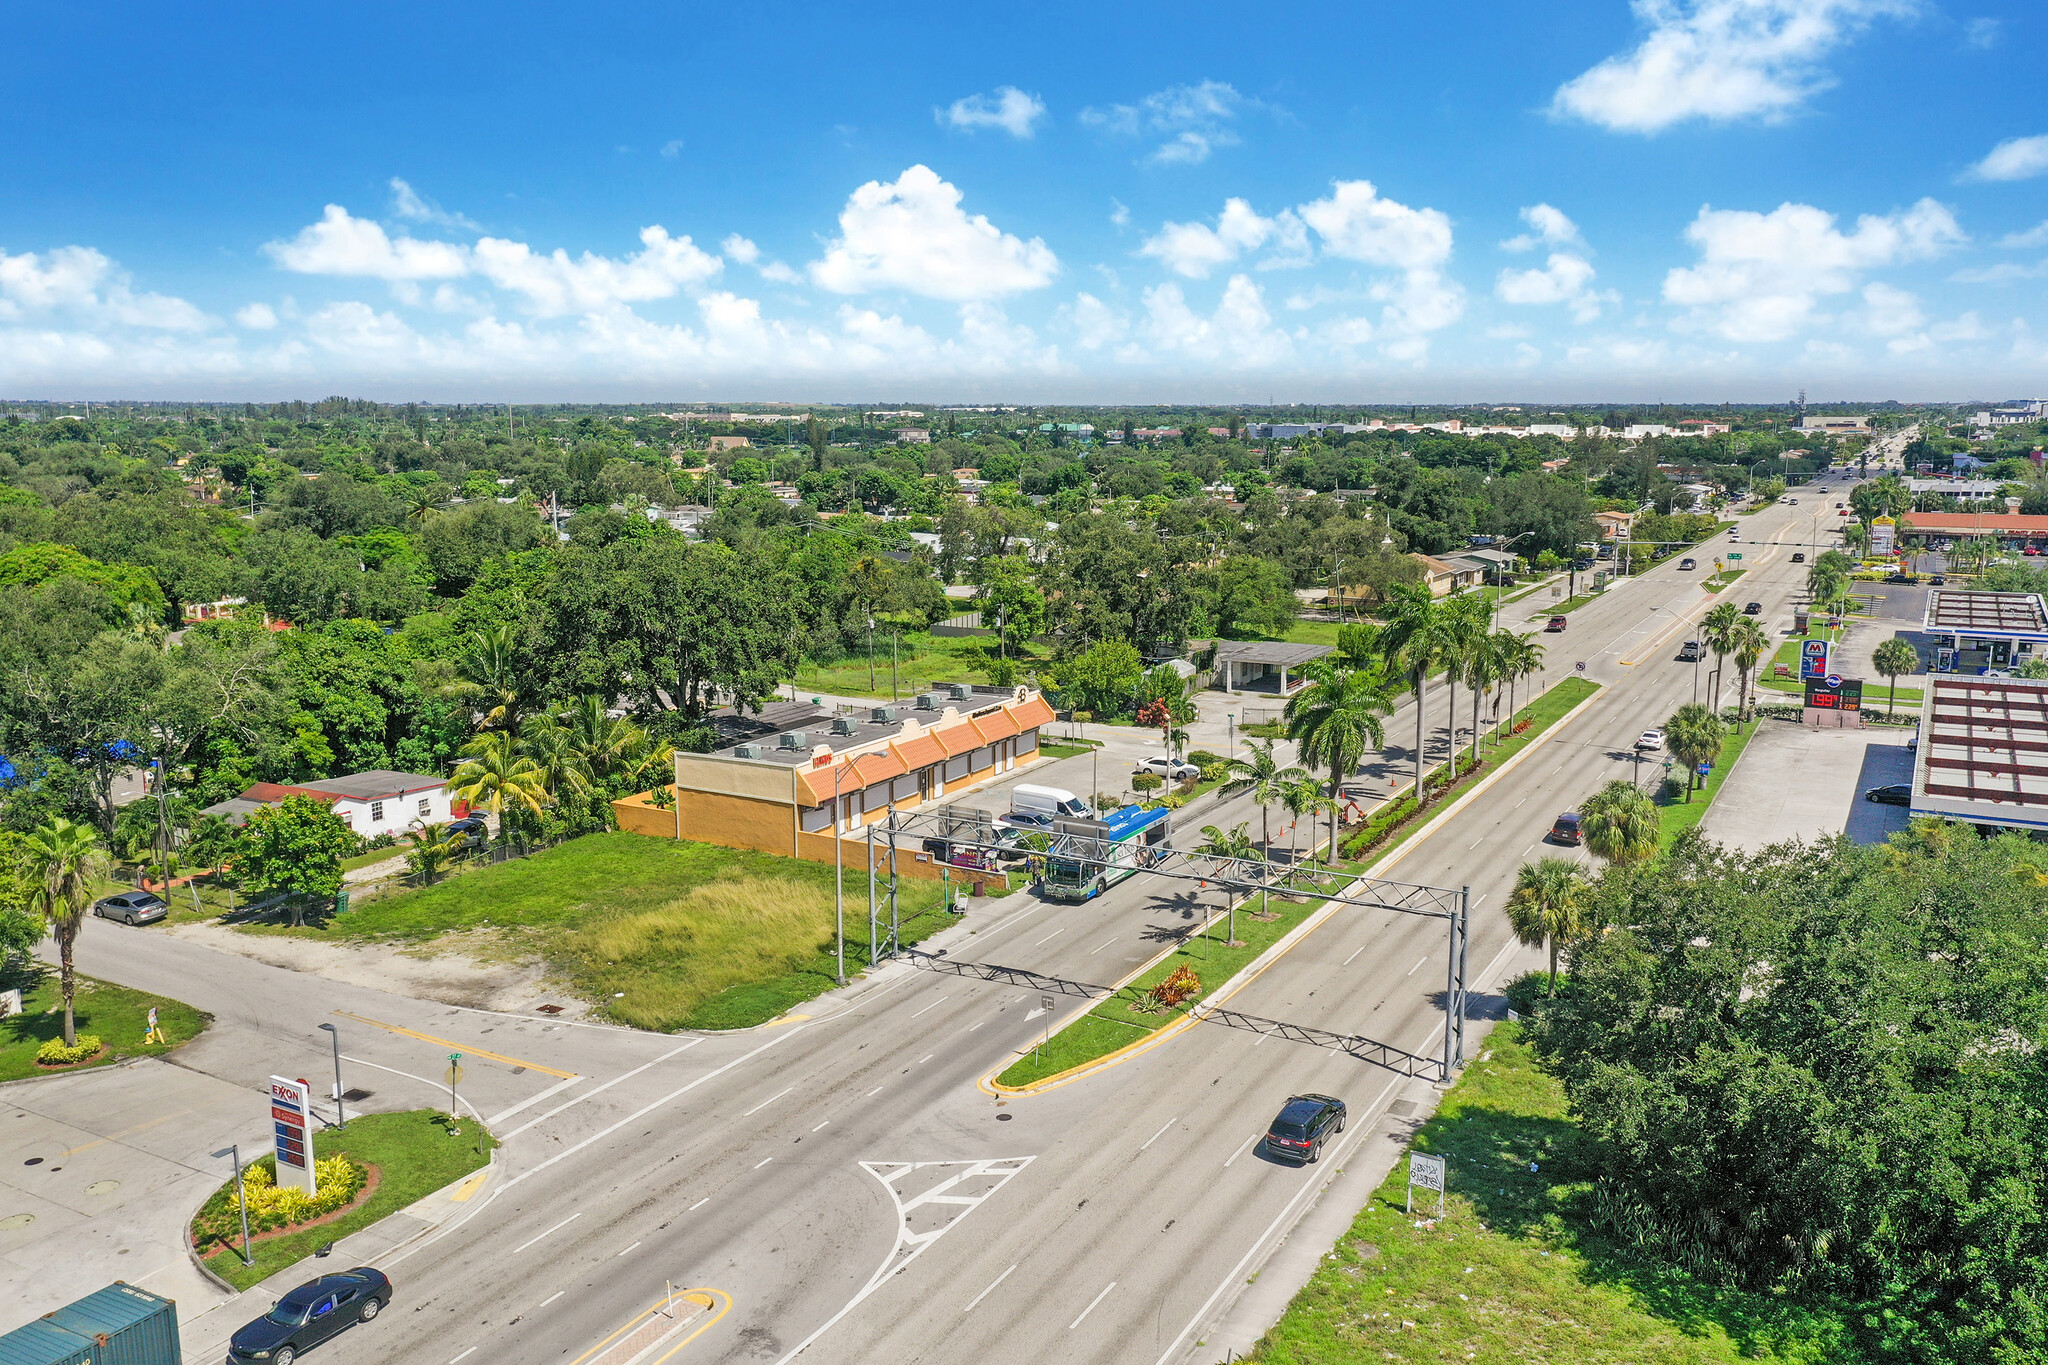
{"x":1090,"y":856}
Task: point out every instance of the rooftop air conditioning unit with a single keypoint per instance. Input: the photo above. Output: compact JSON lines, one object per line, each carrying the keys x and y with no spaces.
{"x":843,"y":725}
{"x":793,"y":739}
{"x":883,"y":715}
{"x":930,"y":701}
{"x":960,"y":691}
{"x":748,"y":751}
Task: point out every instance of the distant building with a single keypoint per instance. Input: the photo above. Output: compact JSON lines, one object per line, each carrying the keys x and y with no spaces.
{"x":371,"y":803}
{"x":727,"y":442}
{"x":1835,"y":425}
{"x":1614,"y":525}
{"x":1637,"y":431}
{"x":1448,"y":575}
{"x":911,"y":436}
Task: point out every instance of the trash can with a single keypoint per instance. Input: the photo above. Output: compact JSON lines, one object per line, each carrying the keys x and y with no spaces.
{"x":980,"y":889}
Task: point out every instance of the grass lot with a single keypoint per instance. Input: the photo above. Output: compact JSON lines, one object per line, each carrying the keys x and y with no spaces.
{"x":1875,"y":690}
{"x":1518,"y":1270}
{"x":1724,"y":578}
{"x":695,"y":935}
{"x":1678,"y":815}
{"x":1113,"y":1023}
{"x":414,"y":1154}
{"x":1068,"y":748}
{"x":118,"y":1015}
{"x":921,"y":660}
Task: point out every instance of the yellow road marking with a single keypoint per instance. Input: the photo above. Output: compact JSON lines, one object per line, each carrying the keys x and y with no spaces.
{"x":465,"y":1049}
{"x":706,"y":1298}
{"x":469,"y":1188}
{"x":785,"y":1019}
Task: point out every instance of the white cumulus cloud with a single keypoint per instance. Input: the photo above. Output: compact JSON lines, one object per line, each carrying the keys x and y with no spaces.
{"x":2037,"y":235}
{"x":343,"y":245}
{"x":81,"y":281}
{"x":1564,"y":278}
{"x":1548,"y":227}
{"x":1761,"y":275}
{"x":257,"y":317}
{"x":1240,"y":334}
{"x":1356,"y":223}
{"x":1193,"y":119}
{"x":1718,"y":60}
{"x":738,"y":248}
{"x":1009,"y":109}
{"x":555,"y":284}
{"x":913,"y":235}
{"x":1195,"y":249}
{"x":407,"y":202}
{"x":2016,"y":158}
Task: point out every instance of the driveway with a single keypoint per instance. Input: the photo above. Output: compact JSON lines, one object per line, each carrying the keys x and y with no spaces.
{"x":1793,"y":782}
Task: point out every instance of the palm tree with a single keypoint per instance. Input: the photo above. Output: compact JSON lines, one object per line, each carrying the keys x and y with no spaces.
{"x":1333,"y":721}
{"x":1748,"y":643}
{"x":488,"y":671}
{"x":1717,"y":628}
{"x":1548,"y":904}
{"x":1521,"y":656}
{"x":1464,"y":642}
{"x":1694,"y":733}
{"x":1620,"y":824}
{"x":1265,"y":779}
{"x":554,"y":755}
{"x":1893,"y":657}
{"x":495,"y":776}
{"x":423,"y":502}
{"x":1482,"y":671}
{"x":1303,"y":798}
{"x":63,"y":860}
{"x":1414,"y":642}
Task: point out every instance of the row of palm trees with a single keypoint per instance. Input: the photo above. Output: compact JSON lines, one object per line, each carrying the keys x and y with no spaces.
{"x":520,"y":765}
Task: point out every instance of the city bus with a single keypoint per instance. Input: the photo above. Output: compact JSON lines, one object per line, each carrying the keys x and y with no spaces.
{"x":1090,"y":856}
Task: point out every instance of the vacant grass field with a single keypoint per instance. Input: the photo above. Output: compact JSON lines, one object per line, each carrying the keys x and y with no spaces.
{"x":118,"y":1015}
{"x":415,"y":1153}
{"x":693,"y":935}
{"x":1518,"y":1271}
{"x":921,"y":660}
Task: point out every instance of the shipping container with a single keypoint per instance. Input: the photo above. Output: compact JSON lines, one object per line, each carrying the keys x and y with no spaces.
{"x":42,"y":1343}
{"x":129,"y":1326}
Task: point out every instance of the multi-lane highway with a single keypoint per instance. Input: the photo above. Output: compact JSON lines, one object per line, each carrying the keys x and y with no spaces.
{"x":848,"y":1186}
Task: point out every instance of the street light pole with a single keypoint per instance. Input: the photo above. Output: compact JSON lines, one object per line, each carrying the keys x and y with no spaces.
{"x":340,"y":1118}
{"x":839,"y":876}
{"x":234,"y":1151}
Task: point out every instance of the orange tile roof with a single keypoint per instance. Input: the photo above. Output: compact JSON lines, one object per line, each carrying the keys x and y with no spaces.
{"x":880,"y":767}
{"x":920,"y":751}
{"x":996,"y":725}
{"x":958,"y":738}
{"x":818,"y":781}
{"x":1034,"y":712}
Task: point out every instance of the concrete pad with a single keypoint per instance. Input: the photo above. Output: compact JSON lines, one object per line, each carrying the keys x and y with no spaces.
{"x":1793,"y":782}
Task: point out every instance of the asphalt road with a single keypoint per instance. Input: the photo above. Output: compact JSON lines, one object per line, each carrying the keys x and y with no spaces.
{"x":844,"y":1180}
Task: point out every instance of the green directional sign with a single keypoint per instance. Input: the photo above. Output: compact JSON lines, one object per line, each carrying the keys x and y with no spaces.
{"x":1735,"y":554}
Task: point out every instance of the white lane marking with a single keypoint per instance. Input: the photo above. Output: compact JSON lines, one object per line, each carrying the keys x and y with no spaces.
{"x":765,"y":1103}
{"x":1418,"y":966}
{"x":1246,"y":1143}
{"x":634,"y":1247}
{"x":436,"y":1085}
{"x":464,"y":1356}
{"x":552,"y":1297}
{"x":1236,"y":1274}
{"x":763,"y":1162}
{"x":821,"y":1125}
{"x":976,"y":1026}
{"x":927,"y":1057}
{"x":556,"y":1228}
{"x":1354,"y":953}
{"x":1091,"y":1305}
{"x":986,"y":1292}
{"x":1518,"y":804}
{"x":599,"y":1089}
{"x":557,"y":1088}
{"x":1051,"y":936}
{"x":872,"y":1093}
{"x":1162,"y":1130}
{"x":781,"y":1037}
{"x":698,"y":1205}
{"x":934,"y":1005}
{"x":1105,"y":943}
{"x":1475,"y":843}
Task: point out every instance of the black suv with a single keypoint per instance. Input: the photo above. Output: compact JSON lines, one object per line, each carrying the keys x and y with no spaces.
{"x":1566,"y":830}
{"x":1304,"y":1124}
{"x":309,"y":1315}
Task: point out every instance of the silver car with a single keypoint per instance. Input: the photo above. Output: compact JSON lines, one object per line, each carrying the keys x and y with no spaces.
{"x":132,"y":907}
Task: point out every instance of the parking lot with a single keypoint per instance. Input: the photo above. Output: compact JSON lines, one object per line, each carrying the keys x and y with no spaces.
{"x":1794,"y":782}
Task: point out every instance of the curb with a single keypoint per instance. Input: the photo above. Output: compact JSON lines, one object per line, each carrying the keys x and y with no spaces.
{"x":1251,"y":970}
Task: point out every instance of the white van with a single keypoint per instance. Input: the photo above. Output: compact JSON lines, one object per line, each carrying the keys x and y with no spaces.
{"x":1026,"y":799}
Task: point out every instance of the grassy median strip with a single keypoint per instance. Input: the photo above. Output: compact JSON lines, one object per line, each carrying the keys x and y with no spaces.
{"x":1116,"y":1021}
{"x":1675,"y":814}
{"x":1519,"y":1269}
{"x":413,"y":1154}
{"x":117,"y":1016}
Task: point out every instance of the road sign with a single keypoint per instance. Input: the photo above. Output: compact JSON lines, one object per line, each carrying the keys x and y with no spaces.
{"x":1705,"y":768}
{"x":1428,"y":1173}
{"x":1735,"y":554}
{"x":1813,"y":658}
{"x":291,"y":1123}
{"x":451,"y":1075}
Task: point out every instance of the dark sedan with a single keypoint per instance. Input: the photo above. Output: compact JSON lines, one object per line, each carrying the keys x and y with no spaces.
{"x":1303,"y":1125}
{"x":1753,"y":609}
{"x":1895,"y":794}
{"x":310,"y":1315}
{"x":132,"y":907}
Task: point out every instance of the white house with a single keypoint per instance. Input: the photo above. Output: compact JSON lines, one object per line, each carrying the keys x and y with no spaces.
{"x":372,"y":803}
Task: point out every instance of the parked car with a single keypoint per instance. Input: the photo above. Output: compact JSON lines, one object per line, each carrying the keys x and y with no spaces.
{"x":132,"y":907}
{"x":1691,"y":650}
{"x":1565,"y":829}
{"x":467,"y":833}
{"x":1892,"y":794}
{"x":1556,"y":623}
{"x":1903,"y":578}
{"x":1688,"y":563}
{"x":1029,"y":821}
{"x":1172,"y":769}
{"x":1799,"y":556}
{"x":1650,"y":739}
{"x":1304,"y":1124}
{"x":1939,"y":580}
{"x":309,"y":1315}
{"x":1753,"y":609}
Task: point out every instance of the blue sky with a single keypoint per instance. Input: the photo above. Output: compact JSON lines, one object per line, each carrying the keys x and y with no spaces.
{"x":1721,"y":199}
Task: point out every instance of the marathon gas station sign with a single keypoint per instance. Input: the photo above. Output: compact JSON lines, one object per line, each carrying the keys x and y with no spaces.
{"x":1813,"y":659}
{"x":292,"y":1116}
{"x":1835,"y":693}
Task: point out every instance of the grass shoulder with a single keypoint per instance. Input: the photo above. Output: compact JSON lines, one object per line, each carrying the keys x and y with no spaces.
{"x":411,"y":1154}
{"x":1675,"y":814}
{"x":116,"y":1015}
{"x":1519,"y":1268}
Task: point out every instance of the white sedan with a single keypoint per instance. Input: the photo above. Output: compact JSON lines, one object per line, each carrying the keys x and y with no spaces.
{"x":1172,"y":769}
{"x":1650,"y":739}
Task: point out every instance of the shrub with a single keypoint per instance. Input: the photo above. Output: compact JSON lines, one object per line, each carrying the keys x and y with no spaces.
{"x":1204,"y":760}
{"x":271,"y":1206}
{"x":1179,"y":988}
{"x":1146,"y":782}
{"x":1213,"y":772}
{"x":54,"y":1053}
